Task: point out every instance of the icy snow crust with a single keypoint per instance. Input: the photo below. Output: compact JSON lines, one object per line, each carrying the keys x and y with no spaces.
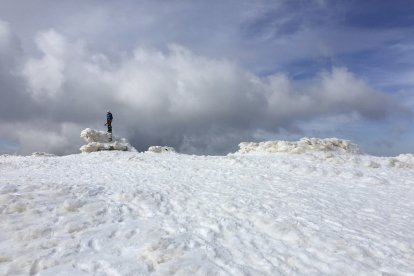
{"x":128,"y":213}
{"x":99,"y":141}
{"x":301,"y":146}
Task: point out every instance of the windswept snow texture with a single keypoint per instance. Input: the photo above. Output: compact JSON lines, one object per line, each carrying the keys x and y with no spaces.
{"x":99,"y":141}
{"x":129,"y":213}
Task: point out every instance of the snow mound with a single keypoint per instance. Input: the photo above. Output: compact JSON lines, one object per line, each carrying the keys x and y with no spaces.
{"x":91,"y":135}
{"x":161,"y":149}
{"x":407,"y":157}
{"x":301,"y":146}
{"x":38,"y":154}
{"x":96,"y":146}
{"x":99,"y":141}
{"x":402,"y":161}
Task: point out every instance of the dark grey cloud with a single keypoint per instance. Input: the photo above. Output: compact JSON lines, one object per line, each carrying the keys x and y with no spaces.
{"x":15,"y":104}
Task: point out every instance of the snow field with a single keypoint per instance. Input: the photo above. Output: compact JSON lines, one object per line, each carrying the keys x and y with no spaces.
{"x":128,"y":213}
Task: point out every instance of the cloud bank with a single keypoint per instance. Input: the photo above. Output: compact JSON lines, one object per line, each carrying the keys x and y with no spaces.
{"x":175,"y":97}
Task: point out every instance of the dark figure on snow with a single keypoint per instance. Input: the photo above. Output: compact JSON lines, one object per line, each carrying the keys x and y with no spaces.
{"x":109,"y":118}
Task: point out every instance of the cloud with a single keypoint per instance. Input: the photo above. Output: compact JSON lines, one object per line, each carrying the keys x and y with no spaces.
{"x":173,"y":97}
{"x":196,"y":76}
{"x":344,"y":92}
{"x":4,"y":36}
{"x":9,"y":48}
{"x":45,"y":76}
{"x":12,"y":88}
{"x":38,"y":135}
{"x":263,"y":36}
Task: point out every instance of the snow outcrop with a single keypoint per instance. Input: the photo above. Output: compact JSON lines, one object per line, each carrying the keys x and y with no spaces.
{"x":99,"y":141}
{"x":38,"y":154}
{"x":402,"y":161}
{"x":160,"y":149}
{"x":91,"y":135}
{"x":301,"y":146}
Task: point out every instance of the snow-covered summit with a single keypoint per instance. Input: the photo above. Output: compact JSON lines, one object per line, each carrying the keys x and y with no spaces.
{"x":130,"y":213}
{"x":301,"y":146}
{"x":100,"y":140}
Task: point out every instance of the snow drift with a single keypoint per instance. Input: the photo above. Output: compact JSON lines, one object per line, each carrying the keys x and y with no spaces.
{"x":99,"y":141}
{"x":301,"y":146}
{"x":161,"y":149}
{"x":42,"y":154}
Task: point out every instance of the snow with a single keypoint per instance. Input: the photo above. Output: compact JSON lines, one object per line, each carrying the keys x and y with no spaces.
{"x":161,"y":149}
{"x":99,"y":141}
{"x":301,"y":146}
{"x":38,"y":153}
{"x":312,"y":212}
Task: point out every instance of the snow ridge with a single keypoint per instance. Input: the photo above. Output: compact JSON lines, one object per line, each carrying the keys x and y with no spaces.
{"x":303,"y":145}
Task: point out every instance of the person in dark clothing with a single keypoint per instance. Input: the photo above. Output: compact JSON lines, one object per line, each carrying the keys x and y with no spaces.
{"x":109,"y":118}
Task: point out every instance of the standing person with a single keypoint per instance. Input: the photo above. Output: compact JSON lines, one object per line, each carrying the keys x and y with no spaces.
{"x":109,"y":118}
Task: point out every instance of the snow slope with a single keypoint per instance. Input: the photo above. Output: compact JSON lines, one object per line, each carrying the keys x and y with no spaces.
{"x":129,"y":213}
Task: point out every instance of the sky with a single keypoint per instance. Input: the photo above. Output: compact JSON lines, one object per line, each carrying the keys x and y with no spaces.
{"x":203,"y":76}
